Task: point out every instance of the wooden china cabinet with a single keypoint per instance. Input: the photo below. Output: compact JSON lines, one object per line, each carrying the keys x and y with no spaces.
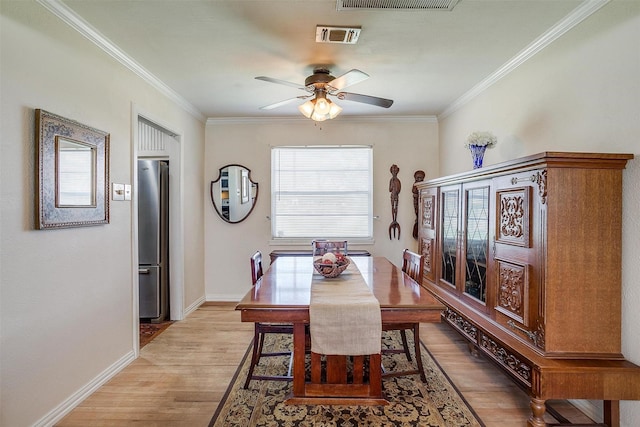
{"x":526,"y":256}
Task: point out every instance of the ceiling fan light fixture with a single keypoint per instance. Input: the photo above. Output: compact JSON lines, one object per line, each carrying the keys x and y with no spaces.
{"x":334,"y":110}
{"x":320,"y":85}
{"x":322,"y":104}
{"x":320,"y":109}
{"x":307,"y":108}
{"x":317,"y":117}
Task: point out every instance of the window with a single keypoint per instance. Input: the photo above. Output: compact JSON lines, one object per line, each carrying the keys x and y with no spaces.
{"x":321,"y":192}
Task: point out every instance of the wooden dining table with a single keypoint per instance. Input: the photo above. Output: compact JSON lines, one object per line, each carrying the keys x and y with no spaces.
{"x":283,"y":295}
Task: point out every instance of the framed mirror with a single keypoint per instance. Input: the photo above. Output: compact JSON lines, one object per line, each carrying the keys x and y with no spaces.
{"x":73,"y":173}
{"x":233,"y":193}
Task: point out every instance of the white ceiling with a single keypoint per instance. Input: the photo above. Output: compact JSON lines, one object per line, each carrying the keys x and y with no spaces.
{"x":209,"y":51}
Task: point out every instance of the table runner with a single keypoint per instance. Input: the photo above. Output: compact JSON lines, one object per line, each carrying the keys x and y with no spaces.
{"x":344,"y":315}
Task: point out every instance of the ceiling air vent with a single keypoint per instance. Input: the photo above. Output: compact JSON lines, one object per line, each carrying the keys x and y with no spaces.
{"x":396,"y":4}
{"x":344,"y":35}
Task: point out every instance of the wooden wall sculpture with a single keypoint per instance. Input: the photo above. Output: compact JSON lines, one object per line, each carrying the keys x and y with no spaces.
{"x":394,"y":188}
{"x":418,"y":176}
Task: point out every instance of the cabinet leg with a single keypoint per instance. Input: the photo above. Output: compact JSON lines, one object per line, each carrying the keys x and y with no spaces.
{"x":473,"y":349}
{"x":538,"y":409}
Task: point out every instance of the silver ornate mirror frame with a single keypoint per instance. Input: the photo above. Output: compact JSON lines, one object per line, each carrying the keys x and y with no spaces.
{"x":72,"y":178}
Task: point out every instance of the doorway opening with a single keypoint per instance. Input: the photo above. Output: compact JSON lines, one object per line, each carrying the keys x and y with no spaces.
{"x":154,"y":141}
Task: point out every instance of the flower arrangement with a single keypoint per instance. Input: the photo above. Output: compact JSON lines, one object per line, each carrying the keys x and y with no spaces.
{"x":482,"y":139}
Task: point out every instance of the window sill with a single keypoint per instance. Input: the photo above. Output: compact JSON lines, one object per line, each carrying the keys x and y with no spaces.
{"x":307,"y":242}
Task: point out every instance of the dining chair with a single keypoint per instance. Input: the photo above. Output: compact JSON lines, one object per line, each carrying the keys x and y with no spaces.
{"x":321,"y":247}
{"x":412,"y":265}
{"x":261,"y":329}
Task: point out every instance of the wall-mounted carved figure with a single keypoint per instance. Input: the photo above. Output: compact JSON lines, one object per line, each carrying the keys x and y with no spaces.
{"x":419,"y":177}
{"x":394,"y":188}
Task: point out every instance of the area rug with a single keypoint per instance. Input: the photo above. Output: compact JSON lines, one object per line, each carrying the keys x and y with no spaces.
{"x":149,"y":331}
{"x":436,"y":403}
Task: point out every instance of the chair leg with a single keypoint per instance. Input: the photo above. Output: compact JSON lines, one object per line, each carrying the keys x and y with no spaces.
{"x":416,"y":342}
{"x":405,"y":345}
{"x":255,"y":355}
{"x":260,"y":345}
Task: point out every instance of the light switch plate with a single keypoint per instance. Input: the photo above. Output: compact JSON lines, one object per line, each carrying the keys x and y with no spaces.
{"x":118,"y":191}
{"x":127,"y":191}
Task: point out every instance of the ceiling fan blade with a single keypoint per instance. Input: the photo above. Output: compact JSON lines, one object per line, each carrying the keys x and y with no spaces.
{"x":347,"y":79}
{"x":280,"y":82}
{"x":285,"y":102}
{"x":366,"y":99}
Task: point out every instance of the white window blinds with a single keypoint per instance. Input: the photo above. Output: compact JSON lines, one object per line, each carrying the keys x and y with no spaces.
{"x":321,"y":192}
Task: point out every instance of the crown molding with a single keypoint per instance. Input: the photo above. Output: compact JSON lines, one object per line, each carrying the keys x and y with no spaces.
{"x":72,"y":19}
{"x":341,"y":119}
{"x":579,"y":14}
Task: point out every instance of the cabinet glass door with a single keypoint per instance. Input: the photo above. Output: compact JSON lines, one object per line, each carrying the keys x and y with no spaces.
{"x":450,"y":203}
{"x":476,"y":243}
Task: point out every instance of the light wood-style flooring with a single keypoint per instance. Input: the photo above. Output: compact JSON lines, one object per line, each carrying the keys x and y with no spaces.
{"x":180,"y":377}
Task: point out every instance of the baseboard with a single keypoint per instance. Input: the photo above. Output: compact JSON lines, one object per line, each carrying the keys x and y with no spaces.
{"x":220,"y":304}
{"x":224,"y":297}
{"x":75,"y":399}
{"x":590,"y":408}
{"x":193,"y":307}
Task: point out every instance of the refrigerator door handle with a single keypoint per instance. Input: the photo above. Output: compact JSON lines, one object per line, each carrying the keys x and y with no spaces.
{"x":143,"y":271}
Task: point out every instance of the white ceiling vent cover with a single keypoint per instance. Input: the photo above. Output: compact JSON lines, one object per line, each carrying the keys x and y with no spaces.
{"x":397,"y":4}
{"x":344,"y":35}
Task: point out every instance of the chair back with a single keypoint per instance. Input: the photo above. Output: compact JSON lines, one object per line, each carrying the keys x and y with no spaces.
{"x":256,"y":267}
{"x":321,"y":247}
{"x":412,"y":265}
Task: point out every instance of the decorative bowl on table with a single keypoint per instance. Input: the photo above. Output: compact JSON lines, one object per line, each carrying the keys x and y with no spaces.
{"x":330,"y":265}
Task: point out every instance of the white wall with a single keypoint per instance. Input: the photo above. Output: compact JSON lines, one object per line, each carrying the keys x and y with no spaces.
{"x":66,"y":295}
{"x":410,"y":143}
{"x":582,"y":93}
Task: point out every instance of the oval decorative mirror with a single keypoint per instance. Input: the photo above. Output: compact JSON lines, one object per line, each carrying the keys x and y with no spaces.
{"x":233,"y":194}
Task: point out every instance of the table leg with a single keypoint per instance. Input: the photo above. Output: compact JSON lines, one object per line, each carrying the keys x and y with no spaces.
{"x":335,"y":390}
{"x":612,"y":413}
{"x":298,"y":359}
{"x":375,"y":375}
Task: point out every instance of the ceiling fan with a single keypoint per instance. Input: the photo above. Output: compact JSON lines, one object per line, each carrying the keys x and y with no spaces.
{"x":322,"y":84}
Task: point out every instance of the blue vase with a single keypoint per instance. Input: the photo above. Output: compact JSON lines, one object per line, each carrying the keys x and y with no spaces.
{"x":477,"y":154}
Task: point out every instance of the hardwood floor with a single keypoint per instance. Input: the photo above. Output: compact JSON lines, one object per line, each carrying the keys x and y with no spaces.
{"x":180,"y":377}
{"x":497,"y":400}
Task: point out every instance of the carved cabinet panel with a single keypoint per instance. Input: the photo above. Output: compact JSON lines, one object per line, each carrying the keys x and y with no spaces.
{"x":513,"y":291}
{"x":427,"y":231}
{"x":519,"y":214}
{"x":513,"y":216}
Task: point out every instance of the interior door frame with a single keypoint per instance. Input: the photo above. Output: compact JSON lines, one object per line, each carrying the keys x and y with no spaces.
{"x":175,"y":155}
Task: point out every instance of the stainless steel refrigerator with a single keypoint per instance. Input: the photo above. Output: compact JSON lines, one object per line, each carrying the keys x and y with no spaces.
{"x":153,"y":239}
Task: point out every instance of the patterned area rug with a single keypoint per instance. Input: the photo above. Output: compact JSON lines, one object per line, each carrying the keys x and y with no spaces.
{"x":436,"y":403}
{"x":149,"y":331}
